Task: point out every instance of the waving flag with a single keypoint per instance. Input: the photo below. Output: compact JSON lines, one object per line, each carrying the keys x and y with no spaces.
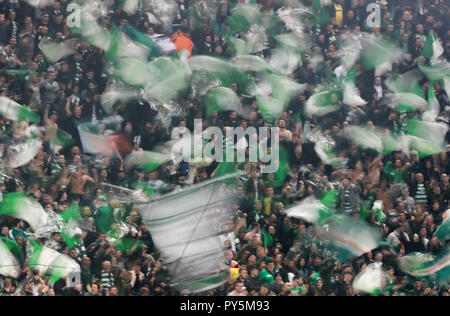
{"x":16,"y":112}
{"x":19,"y":206}
{"x":423,"y":265}
{"x":443,"y":233}
{"x":52,"y":263}
{"x":101,"y":144}
{"x":432,"y":49}
{"x":9,"y":264}
{"x":371,"y":280}
{"x":184,"y":226}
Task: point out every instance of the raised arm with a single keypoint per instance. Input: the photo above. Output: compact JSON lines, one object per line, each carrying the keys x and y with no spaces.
{"x":67,"y":108}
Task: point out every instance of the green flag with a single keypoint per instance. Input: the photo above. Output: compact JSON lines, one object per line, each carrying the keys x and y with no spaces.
{"x":19,"y":206}
{"x":16,"y":112}
{"x":11,"y":258}
{"x":142,"y":39}
{"x":432,"y":49}
{"x":51,"y":263}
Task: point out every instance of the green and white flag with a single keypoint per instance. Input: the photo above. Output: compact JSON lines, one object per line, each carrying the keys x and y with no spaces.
{"x":371,"y":280}
{"x":221,"y":69}
{"x":432,"y":49}
{"x":115,"y":95}
{"x":436,"y":72}
{"x":93,"y":33}
{"x":9,"y":264}
{"x":146,"y":160}
{"x":428,"y":138}
{"x":446,"y":82}
{"x":174,"y":77}
{"x":242,"y":17}
{"x":51,"y":263}
{"x":71,"y":233}
{"x":377,"y":52}
{"x":252,"y":63}
{"x":55,"y":51}
{"x":365,"y":137}
{"x":327,"y":153}
{"x":351,"y":97}
{"x":184,"y":228}
{"x":222,"y":99}
{"x":274,"y":93}
{"x":323,"y":102}
{"x":434,"y":108}
{"x":351,"y":238}
{"x":443,"y":233}
{"x":314,"y":211}
{"x":130,"y":6}
{"x":16,"y":112}
{"x":19,"y":206}
{"x":142,"y":40}
{"x":286,"y":60}
{"x":407,"y":102}
{"x":21,"y":154}
{"x":423,"y":265}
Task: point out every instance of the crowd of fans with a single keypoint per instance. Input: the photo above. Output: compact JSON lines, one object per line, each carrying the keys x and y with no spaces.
{"x":268,"y":253}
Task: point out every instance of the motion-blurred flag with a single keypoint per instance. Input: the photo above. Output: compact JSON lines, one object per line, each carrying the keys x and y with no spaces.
{"x":185,"y":227}
{"x":365,"y":137}
{"x":222,"y":99}
{"x":443,"y":233}
{"x":432,"y":49}
{"x":19,"y":206}
{"x":371,"y":280}
{"x":312,"y":210}
{"x":352,"y":238}
{"x":423,"y":265}
{"x":20,"y":154}
{"x":16,"y":112}
{"x":148,"y":161}
{"x":9,"y":264}
{"x":55,"y":51}
{"x":107,"y":145}
{"x":51,"y":263}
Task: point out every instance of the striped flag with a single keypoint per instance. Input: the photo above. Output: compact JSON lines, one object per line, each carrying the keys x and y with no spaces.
{"x":423,"y":265}
{"x":350,"y":237}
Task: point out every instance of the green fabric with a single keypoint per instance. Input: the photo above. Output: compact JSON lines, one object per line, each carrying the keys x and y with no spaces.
{"x":267,"y":240}
{"x":142,"y":39}
{"x":103,"y":219}
{"x":320,"y":15}
{"x":394,"y":176}
{"x":15,"y":233}
{"x":72,"y":212}
{"x":265,"y":277}
{"x":129,"y":246}
{"x":14,"y":248}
